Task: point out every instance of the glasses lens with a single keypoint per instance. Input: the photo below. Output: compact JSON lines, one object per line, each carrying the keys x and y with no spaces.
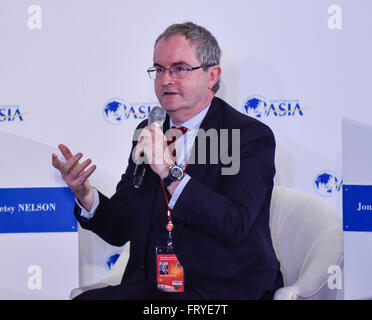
{"x":159,"y":71}
{"x":178,"y":71}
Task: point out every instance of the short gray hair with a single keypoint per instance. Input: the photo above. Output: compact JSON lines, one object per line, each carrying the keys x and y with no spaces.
{"x":206,"y":47}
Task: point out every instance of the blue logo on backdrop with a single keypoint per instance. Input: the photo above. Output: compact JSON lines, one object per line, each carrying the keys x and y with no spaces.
{"x":34,"y":210}
{"x":116,"y":111}
{"x":112,"y":260}
{"x":11,"y":113}
{"x":259,"y":107}
{"x":327,"y":183}
{"x":357,"y":207}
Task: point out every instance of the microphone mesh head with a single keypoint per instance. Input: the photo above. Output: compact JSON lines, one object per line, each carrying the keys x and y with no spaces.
{"x":157,"y":116}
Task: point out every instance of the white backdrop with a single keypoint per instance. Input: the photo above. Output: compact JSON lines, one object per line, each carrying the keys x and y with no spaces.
{"x":62,"y":62}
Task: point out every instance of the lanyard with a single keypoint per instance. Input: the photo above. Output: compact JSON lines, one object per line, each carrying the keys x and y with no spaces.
{"x":170,"y":225}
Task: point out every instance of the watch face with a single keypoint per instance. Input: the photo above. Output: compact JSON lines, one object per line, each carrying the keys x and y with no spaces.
{"x":176,"y":172}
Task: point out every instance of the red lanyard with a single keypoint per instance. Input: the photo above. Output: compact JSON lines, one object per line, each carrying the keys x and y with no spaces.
{"x":170,"y":224}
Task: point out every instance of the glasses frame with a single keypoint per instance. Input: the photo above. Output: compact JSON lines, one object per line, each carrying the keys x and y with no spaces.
{"x":152,"y":70}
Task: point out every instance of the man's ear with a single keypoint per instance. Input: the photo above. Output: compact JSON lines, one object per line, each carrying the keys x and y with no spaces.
{"x":214,"y":73}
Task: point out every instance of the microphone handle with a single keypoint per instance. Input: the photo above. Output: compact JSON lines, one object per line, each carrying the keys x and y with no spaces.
{"x":138,"y":178}
{"x":139,"y":174}
{"x":157,"y":117}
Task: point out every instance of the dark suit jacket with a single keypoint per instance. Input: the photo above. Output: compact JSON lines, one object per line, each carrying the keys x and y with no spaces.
{"x":222,"y":235}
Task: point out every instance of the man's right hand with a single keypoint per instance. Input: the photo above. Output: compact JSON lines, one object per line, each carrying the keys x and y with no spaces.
{"x":74,"y":174}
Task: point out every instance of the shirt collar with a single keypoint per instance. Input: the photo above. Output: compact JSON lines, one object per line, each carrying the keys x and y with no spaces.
{"x":194,"y":122}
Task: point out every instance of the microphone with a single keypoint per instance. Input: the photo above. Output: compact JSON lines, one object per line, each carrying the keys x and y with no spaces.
{"x":156,"y":117}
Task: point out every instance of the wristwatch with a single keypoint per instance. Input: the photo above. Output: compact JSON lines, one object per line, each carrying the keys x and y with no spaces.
{"x":175,"y":174}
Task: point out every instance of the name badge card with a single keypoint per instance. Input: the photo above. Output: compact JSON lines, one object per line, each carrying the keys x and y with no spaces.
{"x":170,"y":275}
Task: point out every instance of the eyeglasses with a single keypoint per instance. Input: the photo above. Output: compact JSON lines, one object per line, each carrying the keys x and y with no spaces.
{"x":176,"y":71}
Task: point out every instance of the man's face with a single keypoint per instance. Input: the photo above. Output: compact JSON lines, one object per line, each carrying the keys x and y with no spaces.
{"x":190,"y":94}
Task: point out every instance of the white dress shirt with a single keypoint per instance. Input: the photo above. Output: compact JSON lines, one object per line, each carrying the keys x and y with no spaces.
{"x":183,"y":146}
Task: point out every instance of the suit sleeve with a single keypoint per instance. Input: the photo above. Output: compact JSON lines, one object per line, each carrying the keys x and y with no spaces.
{"x":112,"y":220}
{"x":228,"y":212}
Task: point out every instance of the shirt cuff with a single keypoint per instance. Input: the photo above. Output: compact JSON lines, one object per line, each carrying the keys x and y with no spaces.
{"x":89,"y":214}
{"x":177,"y":192}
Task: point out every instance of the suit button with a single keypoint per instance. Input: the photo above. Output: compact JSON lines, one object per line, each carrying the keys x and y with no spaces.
{"x":142,"y":267}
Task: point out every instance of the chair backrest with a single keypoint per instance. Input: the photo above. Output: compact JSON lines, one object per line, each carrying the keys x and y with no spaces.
{"x":307,"y":238}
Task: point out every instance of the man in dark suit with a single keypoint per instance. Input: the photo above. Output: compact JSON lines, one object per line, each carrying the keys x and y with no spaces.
{"x":212,"y":215}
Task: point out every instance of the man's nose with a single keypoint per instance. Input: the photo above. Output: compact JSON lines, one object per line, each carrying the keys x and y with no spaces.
{"x":167,"y":77}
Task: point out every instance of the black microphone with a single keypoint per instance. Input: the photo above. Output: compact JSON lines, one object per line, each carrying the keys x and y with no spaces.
{"x":157,"y":117}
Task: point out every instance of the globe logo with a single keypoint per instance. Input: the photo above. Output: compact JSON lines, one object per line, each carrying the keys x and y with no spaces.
{"x":115,"y":111}
{"x":327,"y":183}
{"x":255,"y":106}
{"x":112,"y":260}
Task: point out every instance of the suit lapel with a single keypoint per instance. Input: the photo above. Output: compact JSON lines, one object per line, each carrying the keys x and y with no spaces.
{"x":197,"y":169}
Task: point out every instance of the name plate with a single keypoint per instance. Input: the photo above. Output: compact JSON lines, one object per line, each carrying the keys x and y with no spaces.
{"x":357,"y":207}
{"x":36,"y":210}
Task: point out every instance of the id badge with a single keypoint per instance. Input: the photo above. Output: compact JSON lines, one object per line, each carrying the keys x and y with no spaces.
{"x":170,"y":275}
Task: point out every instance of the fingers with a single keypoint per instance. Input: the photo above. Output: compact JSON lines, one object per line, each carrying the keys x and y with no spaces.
{"x":65,"y":167}
{"x":78,"y":168}
{"x":55,"y":161}
{"x":71,"y":163}
{"x":151,"y":135}
{"x":83,"y":176}
{"x":139,"y":150}
{"x":67,"y":155}
{"x":73,"y":172}
{"x":152,"y":148}
{"x":144,"y":139}
{"x":65,"y":151}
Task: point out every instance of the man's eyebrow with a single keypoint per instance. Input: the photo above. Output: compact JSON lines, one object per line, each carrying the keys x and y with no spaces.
{"x":178,"y":63}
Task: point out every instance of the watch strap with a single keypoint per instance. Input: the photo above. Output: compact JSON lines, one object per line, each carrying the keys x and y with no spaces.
{"x":167,"y":181}
{"x":170,"y":178}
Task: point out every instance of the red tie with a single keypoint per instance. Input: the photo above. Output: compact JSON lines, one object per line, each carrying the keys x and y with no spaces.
{"x":175,"y":133}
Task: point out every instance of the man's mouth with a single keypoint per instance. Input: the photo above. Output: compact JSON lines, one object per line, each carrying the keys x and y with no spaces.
{"x":170,"y":93}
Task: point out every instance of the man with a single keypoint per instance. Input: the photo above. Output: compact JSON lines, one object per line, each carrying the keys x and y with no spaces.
{"x":213,"y":227}
{"x":163,"y":268}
